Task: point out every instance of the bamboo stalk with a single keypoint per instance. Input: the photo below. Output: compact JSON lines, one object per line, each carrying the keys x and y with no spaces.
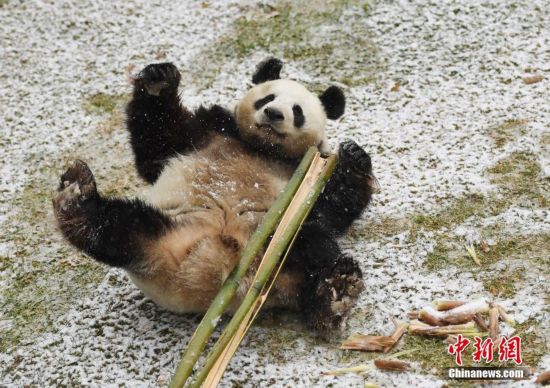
{"x":266,"y":268}
{"x":225,"y":295}
{"x":444,"y":305}
{"x":221,"y":363}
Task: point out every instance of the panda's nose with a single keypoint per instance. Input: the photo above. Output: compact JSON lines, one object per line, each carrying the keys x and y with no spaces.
{"x":273,"y":114}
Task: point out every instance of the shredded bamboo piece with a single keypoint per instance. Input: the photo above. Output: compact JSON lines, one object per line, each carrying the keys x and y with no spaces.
{"x":373,"y":343}
{"x":504,"y":316}
{"x":472,"y":252}
{"x":391,"y":365}
{"x":396,"y":336}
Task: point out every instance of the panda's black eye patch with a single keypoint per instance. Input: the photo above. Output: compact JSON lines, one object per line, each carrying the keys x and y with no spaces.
{"x":299,"y":118}
{"x":262,"y":101}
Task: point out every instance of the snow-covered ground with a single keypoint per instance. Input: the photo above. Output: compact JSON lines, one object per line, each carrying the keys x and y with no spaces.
{"x":445,"y":85}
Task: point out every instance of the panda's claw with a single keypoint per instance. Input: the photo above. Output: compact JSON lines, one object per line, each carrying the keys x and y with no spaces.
{"x":156,"y":77}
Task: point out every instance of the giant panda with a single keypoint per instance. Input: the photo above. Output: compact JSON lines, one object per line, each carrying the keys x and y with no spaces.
{"x":212,"y":175}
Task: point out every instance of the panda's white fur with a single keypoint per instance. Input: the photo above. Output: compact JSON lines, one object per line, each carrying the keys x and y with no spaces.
{"x":253,"y":124}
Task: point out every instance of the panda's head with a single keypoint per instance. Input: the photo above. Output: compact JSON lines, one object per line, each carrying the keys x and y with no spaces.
{"x":281,"y":115}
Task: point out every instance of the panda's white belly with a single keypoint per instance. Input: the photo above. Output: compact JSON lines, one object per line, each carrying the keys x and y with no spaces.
{"x":216,"y":197}
{"x":222,"y":178}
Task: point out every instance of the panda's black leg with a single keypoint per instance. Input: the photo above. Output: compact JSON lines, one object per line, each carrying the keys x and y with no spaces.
{"x":330,"y":296}
{"x":112,"y":231}
{"x":348,"y":192}
{"x":332,"y":281}
{"x":159,"y":125}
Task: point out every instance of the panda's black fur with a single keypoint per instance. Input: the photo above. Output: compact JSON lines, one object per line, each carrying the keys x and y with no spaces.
{"x":212,"y":180}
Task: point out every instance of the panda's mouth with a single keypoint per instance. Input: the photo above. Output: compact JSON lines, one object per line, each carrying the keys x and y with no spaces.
{"x":270,"y":129}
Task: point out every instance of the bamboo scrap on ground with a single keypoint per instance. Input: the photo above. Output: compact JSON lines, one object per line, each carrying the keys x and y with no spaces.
{"x":368,"y":343}
{"x":374,"y":343}
{"x":391,"y":365}
{"x":218,"y":358}
{"x":447,"y":320}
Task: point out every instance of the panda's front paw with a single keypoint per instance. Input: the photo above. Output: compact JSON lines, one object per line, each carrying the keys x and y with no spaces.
{"x":158,"y":77}
{"x":335,"y":296}
{"x":77,"y":186}
{"x":355,"y":158}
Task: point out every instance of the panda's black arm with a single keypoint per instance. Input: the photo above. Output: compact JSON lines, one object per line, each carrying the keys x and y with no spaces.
{"x":116,"y":231}
{"x":159,"y":125}
{"x":347,"y":193}
{"x":112,"y":230}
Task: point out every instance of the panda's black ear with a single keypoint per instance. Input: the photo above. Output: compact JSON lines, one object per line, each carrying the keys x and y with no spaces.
{"x":268,"y":70}
{"x":334,"y":102}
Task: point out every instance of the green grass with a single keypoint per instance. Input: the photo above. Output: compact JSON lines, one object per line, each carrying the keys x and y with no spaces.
{"x":518,"y":177}
{"x":47,"y":276}
{"x":534,"y":249}
{"x":43,"y":283}
{"x":380,"y":228}
{"x":507,"y":131}
{"x":99,"y":103}
{"x":109,"y":105}
{"x":289,"y":30}
{"x":503,"y":285}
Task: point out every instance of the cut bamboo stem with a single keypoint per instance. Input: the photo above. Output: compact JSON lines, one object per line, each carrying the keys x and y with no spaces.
{"x":255,"y":244}
{"x":442,"y":331}
{"x":444,"y":305}
{"x":266,"y":268}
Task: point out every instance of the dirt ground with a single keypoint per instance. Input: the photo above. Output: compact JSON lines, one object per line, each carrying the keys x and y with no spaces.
{"x":450,"y":99}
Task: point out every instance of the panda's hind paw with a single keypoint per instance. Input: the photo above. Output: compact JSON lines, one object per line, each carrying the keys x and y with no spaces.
{"x":77,"y":184}
{"x":336,"y":295}
{"x":158,"y":77}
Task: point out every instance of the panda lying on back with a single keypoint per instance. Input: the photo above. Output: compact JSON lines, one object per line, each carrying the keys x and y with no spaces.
{"x":214,"y":174}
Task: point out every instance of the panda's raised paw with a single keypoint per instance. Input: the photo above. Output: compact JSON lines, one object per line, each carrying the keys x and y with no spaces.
{"x":158,"y":77}
{"x":354,"y":157}
{"x":77,"y":184}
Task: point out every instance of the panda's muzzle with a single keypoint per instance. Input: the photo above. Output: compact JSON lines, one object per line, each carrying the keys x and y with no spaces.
{"x":273,"y":114}
{"x":271,"y":129}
